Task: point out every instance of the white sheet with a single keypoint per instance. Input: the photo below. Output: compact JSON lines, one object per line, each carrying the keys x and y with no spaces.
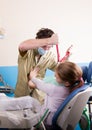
{"x":17,"y":119}
{"x":20,"y":103}
{"x":21,"y":112}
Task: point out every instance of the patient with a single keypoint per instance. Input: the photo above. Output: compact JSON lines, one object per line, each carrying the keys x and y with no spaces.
{"x":68,"y":77}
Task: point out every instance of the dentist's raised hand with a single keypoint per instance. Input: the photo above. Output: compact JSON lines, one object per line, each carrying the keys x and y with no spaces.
{"x":54,"y":39}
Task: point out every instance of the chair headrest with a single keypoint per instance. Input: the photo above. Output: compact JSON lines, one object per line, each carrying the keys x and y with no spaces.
{"x":89,"y":74}
{"x":85,"y":72}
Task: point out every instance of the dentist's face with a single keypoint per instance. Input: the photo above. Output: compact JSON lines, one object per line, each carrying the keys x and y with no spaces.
{"x":44,"y":49}
{"x":47,"y":47}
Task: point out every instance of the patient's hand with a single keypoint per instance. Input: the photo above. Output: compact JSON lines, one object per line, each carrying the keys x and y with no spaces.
{"x":31,"y":84}
{"x":54,"y":39}
{"x":33,"y":73}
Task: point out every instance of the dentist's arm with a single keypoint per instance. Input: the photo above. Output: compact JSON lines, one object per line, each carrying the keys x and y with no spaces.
{"x":35,"y":43}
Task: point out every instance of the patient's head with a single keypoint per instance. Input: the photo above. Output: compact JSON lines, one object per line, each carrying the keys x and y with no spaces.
{"x":69,"y":74}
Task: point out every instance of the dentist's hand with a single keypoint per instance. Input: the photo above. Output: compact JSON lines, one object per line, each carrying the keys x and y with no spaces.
{"x":54,"y":39}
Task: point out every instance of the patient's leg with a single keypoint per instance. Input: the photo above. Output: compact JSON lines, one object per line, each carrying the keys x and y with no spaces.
{"x":19,"y":103}
{"x":2,"y":96}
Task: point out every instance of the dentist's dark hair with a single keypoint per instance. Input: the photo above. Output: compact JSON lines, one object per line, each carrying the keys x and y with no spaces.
{"x":44,"y":33}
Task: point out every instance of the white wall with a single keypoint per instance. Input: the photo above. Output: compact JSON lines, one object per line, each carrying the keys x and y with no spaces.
{"x":70,"y":19}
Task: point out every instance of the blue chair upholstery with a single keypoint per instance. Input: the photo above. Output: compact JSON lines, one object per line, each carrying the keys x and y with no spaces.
{"x":89,"y":74}
{"x":89,"y":81}
{"x":85,"y":72}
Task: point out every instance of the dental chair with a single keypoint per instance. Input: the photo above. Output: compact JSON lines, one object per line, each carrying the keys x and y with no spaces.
{"x":69,"y":113}
{"x":89,"y":81}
